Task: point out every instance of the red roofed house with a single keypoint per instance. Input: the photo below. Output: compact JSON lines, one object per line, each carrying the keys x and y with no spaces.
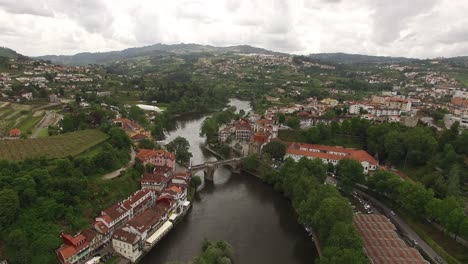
{"x":257,"y":142}
{"x":243,"y":130}
{"x":118,"y":214}
{"x":181,"y":179}
{"x":159,"y":158}
{"x":155,"y":181}
{"x":331,"y":154}
{"x":79,"y":247}
{"x":15,"y":132}
{"x":127,"y":244}
{"x":129,"y":240}
{"x":133,"y":129}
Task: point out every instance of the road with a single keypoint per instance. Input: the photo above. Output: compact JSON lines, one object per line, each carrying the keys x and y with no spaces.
{"x":402,"y":226}
{"x":116,"y":173}
{"x":49,"y":119}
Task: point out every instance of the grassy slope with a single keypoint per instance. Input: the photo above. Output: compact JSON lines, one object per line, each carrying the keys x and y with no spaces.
{"x":69,"y":144}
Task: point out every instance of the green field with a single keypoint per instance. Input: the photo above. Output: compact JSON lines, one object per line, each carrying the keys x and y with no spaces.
{"x":60,"y":146}
{"x":463,"y":78}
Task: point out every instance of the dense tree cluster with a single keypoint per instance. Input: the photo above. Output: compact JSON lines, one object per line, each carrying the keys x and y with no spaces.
{"x":40,"y":198}
{"x":180,"y":147}
{"x":420,"y":202}
{"x":211,"y":124}
{"x":275,"y":149}
{"x":437,"y":157}
{"x":217,"y":252}
{"x":321,"y":207}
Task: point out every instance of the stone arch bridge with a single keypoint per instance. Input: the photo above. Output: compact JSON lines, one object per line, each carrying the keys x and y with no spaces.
{"x":210,"y":167}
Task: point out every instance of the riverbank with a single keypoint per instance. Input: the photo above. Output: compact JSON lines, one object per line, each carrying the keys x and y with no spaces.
{"x":255,"y":219}
{"x":314,"y":236}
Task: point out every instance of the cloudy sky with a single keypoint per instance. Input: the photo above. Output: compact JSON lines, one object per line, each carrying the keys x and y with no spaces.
{"x":411,"y":28}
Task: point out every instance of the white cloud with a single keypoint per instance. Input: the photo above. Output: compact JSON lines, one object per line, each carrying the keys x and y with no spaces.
{"x":418,"y":28}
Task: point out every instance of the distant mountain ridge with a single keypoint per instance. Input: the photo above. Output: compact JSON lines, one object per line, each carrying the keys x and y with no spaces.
{"x":156,"y":49}
{"x":181,"y":49}
{"x":345,"y":58}
{"x":9,"y":53}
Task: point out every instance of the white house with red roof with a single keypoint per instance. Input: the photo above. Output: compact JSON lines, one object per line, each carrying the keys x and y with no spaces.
{"x":243,"y":130}
{"x":157,"y":157}
{"x":118,"y":214}
{"x":127,"y":244}
{"x":331,"y":154}
{"x":155,"y":181}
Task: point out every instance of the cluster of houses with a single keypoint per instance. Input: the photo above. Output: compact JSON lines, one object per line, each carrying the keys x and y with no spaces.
{"x":134,"y":225}
{"x":43,"y":75}
{"x":134,"y":130}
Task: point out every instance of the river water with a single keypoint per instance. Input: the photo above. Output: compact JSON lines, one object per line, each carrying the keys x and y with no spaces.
{"x":257,"y":221}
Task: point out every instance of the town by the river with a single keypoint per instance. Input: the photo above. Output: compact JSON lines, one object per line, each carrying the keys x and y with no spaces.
{"x":256,"y":220}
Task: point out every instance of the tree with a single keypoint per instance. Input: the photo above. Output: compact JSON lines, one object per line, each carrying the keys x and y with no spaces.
{"x":180,"y":147}
{"x":250,"y":163}
{"x":394,"y":147}
{"x":275,"y":149}
{"x":293,"y":122}
{"x":9,"y":206}
{"x":195,"y":182}
{"x":344,"y":235}
{"x":414,"y":197}
{"x":224,"y":150}
{"x":453,"y":186}
{"x":146,"y":144}
{"x":331,"y":210}
{"x":281,"y":118}
{"x":449,"y":157}
{"x":420,"y":145}
{"x":209,"y":129}
{"x":118,"y":138}
{"x":158,"y":131}
{"x":313,"y":135}
{"x":455,"y":220}
{"x":137,"y":114}
{"x":334,"y":255}
{"x":349,"y":172}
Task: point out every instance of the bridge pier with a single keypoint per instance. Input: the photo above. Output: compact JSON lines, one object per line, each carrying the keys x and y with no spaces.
{"x":209,"y":168}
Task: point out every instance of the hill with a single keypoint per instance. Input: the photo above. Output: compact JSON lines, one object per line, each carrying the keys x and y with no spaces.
{"x":344,"y":58}
{"x":9,"y":53}
{"x":69,"y":144}
{"x":156,"y":49}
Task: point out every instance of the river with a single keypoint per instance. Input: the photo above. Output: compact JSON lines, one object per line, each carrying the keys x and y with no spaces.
{"x":257,"y":221}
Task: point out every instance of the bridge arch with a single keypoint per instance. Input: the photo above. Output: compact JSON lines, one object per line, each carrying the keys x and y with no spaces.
{"x":210,"y":167}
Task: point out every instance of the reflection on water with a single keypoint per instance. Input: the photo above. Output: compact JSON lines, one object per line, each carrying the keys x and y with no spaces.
{"x":257,"y":221}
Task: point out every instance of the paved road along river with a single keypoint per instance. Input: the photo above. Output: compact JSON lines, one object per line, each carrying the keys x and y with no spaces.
{"x":257,"y":221}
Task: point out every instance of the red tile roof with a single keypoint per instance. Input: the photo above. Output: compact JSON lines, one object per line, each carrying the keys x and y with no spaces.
{"x":73,"y":240}
{"x":125,"y":236}
{"x":157,"y":178}
{"x":127,"y":124}
{"x":147,"y":219}
{"x":66,"y":251}
{"x":382,"y":244}
{"x":261,"y":137}
{"x":139,"y":137}
{"x":324,"y":152}
{"x":145,"y":154}
{"x":243,"y":125}
{"x":115,"y":211}
{"x":132,"y":201}
{"x":15,"y":132}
